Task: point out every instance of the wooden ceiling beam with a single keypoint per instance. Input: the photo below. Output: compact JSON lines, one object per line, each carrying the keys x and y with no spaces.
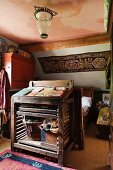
{"x":85,"y":41}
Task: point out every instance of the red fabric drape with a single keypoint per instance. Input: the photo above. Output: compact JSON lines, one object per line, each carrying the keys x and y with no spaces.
{"x":5,"y":102}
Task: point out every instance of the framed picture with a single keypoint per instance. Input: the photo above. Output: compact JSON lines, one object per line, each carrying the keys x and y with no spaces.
{"x":106,"y":98}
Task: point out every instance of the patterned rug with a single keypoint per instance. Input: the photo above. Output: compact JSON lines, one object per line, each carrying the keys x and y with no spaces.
{"x":18,"y":161}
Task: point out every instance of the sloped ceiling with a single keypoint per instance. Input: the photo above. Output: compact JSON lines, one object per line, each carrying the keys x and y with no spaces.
{"x":75,"y":19}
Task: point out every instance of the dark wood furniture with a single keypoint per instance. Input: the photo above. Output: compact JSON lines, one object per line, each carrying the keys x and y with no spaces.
{"x":20,"y":69}
{"x":53,"y":107}
{"x":101,"y":111}
{"x":103,"y":131}
{"x":80,"y":120}
{"x":87,"y":92}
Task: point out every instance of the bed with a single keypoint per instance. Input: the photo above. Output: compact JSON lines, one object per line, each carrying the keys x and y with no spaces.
{"x":86,"y":104}
{"x":83,"y":98}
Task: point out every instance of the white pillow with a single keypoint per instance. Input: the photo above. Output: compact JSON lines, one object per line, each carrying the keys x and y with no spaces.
{"x":86,"y":101}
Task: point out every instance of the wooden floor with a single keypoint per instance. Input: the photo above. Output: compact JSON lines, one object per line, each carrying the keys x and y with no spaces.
{"x":4,"y":144}
{"x":95,"y":156}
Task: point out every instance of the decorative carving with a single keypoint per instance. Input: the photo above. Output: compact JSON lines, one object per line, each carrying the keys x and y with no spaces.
{"x":93,"y":61}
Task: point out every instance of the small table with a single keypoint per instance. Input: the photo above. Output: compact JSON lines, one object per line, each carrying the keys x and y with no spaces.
{"x":103,"y":123}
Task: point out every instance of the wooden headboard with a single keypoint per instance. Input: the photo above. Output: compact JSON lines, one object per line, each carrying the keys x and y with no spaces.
{"x":88,"y":92}
{"x":85,"y":91}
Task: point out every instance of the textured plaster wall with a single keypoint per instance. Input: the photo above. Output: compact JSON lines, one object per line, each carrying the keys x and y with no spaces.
{"x":92,"y":79}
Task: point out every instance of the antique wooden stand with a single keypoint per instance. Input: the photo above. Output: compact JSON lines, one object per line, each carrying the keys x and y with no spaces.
{"x":40,"y":108}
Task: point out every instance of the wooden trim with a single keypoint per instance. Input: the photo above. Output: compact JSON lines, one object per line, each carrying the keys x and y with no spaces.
{"x":84,"y":41}
{"x":110,"y":20}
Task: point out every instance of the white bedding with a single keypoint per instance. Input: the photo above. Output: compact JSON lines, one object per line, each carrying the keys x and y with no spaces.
{"x":86,"y":104}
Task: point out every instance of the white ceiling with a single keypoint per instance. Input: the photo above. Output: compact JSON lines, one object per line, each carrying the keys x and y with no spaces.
{"x":75,"y":19}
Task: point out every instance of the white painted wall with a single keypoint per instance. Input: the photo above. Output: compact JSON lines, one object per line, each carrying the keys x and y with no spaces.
{"x":92,"y":79}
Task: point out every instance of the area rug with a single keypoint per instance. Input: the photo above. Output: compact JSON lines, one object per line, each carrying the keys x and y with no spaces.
{"x":18,"y":161}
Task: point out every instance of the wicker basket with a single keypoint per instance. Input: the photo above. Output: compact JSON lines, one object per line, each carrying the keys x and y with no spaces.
{"x":33,"y":130}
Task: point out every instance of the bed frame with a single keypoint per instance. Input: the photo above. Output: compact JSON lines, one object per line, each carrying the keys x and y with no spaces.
{"x":80,"y":120}
{"x":88,"y":93}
